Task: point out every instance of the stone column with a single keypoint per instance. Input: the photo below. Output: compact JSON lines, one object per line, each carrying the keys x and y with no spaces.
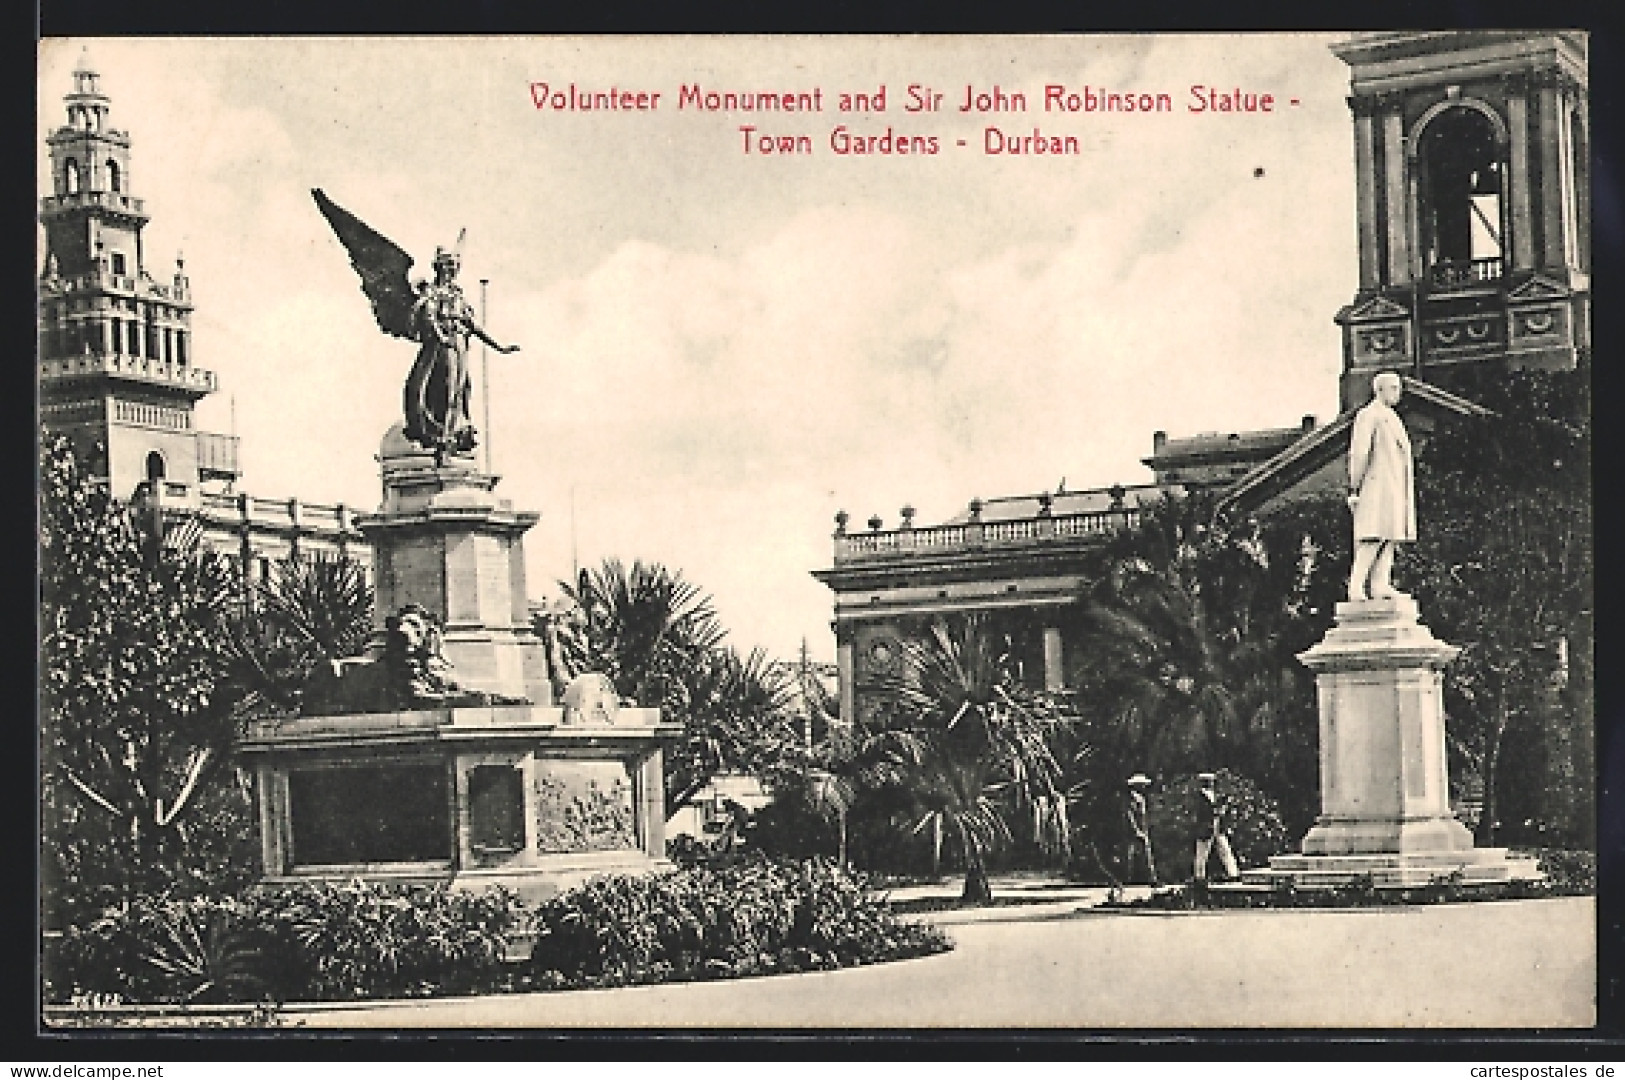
{"x":1579,"y":153}
{"x":1552,"y":153}
{"x":846,"y":673}
{"x":1397,"y":197}
{"x":1570,"y":194}
{"x":1054,"y":660}
{"x":1523,"y":224}
{"x":651,"y":804}
{"x":1365,"y":193}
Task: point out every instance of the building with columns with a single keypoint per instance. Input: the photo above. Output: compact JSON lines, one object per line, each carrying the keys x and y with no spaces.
{"x":117,"y":372}
{"x":1473,"y":224}
{"x":1473,"y":184}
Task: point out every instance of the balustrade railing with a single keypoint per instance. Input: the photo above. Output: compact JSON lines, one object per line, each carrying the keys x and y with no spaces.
{"x":1465,"y":273}
{"x":976,"y":535}
{"x":143,"y":367}
{"x":112,"y":200}
{"x":217,"y":454}
{"x":278,"y":515}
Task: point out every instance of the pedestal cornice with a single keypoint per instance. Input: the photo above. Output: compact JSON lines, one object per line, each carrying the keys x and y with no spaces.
{"x":1378,"y":635}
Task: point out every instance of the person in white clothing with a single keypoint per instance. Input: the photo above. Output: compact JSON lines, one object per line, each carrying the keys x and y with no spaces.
{"x":1210,"y":831}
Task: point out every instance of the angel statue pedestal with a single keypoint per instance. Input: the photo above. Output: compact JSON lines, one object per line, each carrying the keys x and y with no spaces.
{"x":1384,"y":793}
{"x":442,"y":755}
{"x":443,"y":541}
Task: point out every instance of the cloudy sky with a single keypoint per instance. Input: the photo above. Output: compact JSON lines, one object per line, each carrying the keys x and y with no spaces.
{"x":721,"y":349}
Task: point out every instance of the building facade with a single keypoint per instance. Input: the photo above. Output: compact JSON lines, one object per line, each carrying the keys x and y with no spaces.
{"x":117,"y":373}
{"x":1473,"y":183}
{"x":1472,"y":174}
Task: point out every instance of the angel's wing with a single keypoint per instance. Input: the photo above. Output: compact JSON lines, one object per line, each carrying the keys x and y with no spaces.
{"x":380,"y":263}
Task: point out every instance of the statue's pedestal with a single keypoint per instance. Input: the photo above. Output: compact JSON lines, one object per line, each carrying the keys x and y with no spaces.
{"x":442,"y":540}
{"x":536,"y":799}
{"x":1384,"y":792}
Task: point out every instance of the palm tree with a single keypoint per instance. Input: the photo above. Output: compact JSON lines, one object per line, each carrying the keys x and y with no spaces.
{"x":1192,"y":631}
{"x":307,"y":609}
{"x":645,"y":626}
{"x":971,"y":747}
{"x":736,"y":718}
{"x":657,"y":636}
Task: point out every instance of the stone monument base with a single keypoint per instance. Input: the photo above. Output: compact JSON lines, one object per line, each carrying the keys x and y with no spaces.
{"x":537,"y":799}
{"x":1384,"y":790}
{"x":1476,"y":866}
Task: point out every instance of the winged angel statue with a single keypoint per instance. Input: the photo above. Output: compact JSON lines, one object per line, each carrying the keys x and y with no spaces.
{"x":435,"y":315}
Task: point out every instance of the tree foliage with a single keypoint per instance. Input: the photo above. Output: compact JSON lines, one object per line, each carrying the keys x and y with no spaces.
{"x":136,"y":715}
{"x":1190,"y":637}
{"x":657,"y":636}
{"x":969,"y":746}
{"x":1504,"y":567}
{"x":153,"y":654}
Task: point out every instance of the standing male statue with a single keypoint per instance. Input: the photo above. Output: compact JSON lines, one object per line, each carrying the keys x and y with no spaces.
{"x":1382,"y":490}
{"x":434,"y":314}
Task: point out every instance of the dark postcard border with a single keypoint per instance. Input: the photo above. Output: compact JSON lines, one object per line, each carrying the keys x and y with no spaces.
{"x":195,"y":17}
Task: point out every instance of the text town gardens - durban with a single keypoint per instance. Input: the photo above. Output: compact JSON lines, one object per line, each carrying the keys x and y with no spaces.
{"x":916,"y":99}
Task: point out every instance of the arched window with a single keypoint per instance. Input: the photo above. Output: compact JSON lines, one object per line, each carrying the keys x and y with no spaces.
{"x":1462,"y":198}
{"x":155,"y":469}
{"x":70,"y":176}
{"x":113,"y":177}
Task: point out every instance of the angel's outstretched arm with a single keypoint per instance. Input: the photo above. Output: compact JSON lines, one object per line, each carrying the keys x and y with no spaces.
{"x":479,"y":332}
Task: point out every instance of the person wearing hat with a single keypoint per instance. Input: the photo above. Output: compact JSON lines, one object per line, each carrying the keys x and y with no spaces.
{"x":1139,"y":845}
{"x":1210,"y":830}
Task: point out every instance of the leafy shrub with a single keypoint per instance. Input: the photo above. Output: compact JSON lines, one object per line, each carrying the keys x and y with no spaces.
{"x":1570,"y":871}
{"x":1361,"y":892}
{"x":1252,"y":821}
{"x":685,"y":850}
{"x":789,"y":827}
{"x":316,"y":942}
{"x":744,"y":916}
{"x":738,"y":915}
{"x":196,"y":950}
{"x":360,"y":939}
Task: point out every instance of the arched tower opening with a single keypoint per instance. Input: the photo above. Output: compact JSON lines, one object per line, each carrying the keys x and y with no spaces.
{"x":1461,"y":198}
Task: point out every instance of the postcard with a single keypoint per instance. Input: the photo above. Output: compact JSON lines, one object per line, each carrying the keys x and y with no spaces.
{"x":817,"y":531}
